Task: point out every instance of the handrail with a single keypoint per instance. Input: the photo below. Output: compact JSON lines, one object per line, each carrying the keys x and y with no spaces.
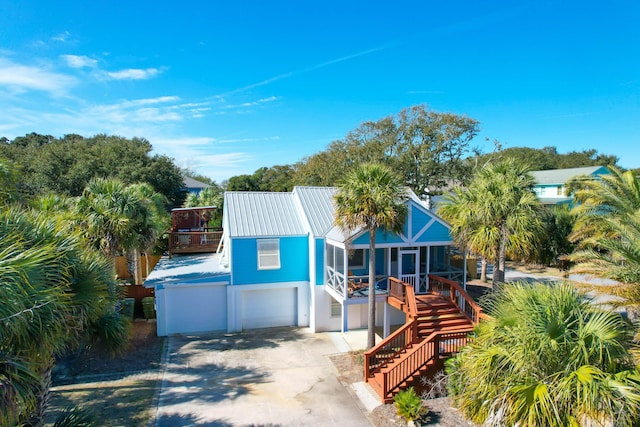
{"x":397,"y":342}
{"x":388,"y":348}
{"x":420,"y":356}
{"x":469,"y":307}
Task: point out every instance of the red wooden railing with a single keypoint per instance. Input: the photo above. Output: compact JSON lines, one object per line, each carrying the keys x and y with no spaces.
{"x":194,"y":241}
{"x":452,"y":290}
{"x":399,"y":340}
{"x":418,"y":354}
{"x":421,"y":355}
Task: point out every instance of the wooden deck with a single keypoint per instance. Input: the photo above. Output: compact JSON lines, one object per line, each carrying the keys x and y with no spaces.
{"x":181,"y":242}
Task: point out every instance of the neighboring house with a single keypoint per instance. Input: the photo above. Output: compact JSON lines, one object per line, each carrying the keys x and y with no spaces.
{"x":194,"y":186}
{"x":284,"y":263}
{"x":551,"y":184}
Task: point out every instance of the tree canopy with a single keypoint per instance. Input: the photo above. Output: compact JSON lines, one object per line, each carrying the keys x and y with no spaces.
{"x":426,"y":148}
{"x":549,"y":158}
{"x":66,"y":165}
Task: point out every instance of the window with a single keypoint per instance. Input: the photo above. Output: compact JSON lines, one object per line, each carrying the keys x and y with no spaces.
{"x":561,"y":190}
{"x":268,"y":254}
{"x":336,"y":308}
{"x":356,"y":258}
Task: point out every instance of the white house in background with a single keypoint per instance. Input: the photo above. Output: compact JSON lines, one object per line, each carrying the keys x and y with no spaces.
{"x":283,"y":263}
{"x":551,"y":184}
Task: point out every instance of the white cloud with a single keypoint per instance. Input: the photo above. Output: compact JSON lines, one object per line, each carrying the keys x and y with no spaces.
{"x":133,"y":74}
{"x":24,"y":77}
{"x":62,"y":37}
{"x":80,"y":61}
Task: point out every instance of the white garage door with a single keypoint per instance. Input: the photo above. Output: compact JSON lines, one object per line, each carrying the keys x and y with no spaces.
{"x":196,"y":309}
{"x":269,"y":308}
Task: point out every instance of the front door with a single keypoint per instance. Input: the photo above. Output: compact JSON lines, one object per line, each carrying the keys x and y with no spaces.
{"x":410,"y":267}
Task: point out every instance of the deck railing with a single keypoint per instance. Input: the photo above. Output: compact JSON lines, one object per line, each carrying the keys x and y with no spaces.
{"x":194,"y":241}
{"x":452,"y":290}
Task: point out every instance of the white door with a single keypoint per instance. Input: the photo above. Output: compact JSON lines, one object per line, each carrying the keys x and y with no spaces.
{"x":269,"y":308}
{"x":410,"y":267}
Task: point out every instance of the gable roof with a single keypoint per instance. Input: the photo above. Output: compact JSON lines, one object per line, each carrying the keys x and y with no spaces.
{"x":194,"y":183}
{"x":311,"y":210}
{"x":562,"y":176}
{"x":252,"y":213}
{"x":318,"y":207}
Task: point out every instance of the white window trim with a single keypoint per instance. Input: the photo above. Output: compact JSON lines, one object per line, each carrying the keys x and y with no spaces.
{"x":262,"y":253}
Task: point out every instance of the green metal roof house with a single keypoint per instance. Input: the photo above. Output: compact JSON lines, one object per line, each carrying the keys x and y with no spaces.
{"x":551,"y":184}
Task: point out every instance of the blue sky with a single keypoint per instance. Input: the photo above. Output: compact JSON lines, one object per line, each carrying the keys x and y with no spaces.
{"x":228,"y":87}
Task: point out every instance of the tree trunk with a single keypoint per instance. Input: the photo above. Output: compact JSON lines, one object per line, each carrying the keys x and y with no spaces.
{"x":137,"y":268}
{"x":42,"y":394}
{"x":498,"y":276}
{"x":483,"y":270}
{"x":371,"y":333}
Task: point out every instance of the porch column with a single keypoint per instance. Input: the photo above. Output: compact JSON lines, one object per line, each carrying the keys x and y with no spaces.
{"x":386,"y":328}
{"x":345,"y":317}
{"x":464,"y":270}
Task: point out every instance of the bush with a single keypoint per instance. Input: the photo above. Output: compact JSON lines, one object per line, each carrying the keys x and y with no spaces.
{"x":409,"y":405}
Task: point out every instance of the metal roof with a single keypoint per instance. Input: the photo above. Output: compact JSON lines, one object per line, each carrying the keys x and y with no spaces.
{"x":194,"y":183}
{"x":250,"y":214}
{"x":562,"y":176}
{"x":318,"y":207}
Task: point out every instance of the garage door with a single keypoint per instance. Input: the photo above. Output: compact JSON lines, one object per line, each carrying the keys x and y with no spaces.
{"x":269,"y":308}
{"x":196,"y":309}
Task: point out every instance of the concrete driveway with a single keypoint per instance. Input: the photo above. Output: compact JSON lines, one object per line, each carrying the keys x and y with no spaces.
{"x":269,"y":377}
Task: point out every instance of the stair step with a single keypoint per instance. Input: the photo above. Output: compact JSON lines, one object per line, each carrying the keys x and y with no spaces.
{"x":456,"y":315}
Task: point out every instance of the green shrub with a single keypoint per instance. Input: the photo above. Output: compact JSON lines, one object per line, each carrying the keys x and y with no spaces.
{"x":409,"y":404}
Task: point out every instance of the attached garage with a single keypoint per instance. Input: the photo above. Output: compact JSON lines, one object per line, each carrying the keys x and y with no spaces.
{"x":191,"y":294}
{"x":185,"y":308}
{"x":269,"y":308}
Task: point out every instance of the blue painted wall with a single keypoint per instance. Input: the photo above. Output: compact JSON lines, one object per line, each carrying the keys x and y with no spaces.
{"x":294,"y":261}
{"x":320,"y":261}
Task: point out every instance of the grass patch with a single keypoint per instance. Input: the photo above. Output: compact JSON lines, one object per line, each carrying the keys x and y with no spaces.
{"x":118,"y":391}
{"x":124,"y":402}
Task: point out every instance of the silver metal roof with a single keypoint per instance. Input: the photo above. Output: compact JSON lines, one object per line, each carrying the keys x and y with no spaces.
{"x":318,"y":207}
{"x":249,"y":214}
{"x":562,"y":176}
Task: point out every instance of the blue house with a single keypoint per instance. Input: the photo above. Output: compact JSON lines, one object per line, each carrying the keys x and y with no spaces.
{"x":283,"y":262}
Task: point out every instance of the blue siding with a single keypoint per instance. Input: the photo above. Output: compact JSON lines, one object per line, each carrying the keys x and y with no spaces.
{"x":319,"y":261}
{"x":294,"y":261}
{"x":420,"y":219}
{"x":436,"y":233}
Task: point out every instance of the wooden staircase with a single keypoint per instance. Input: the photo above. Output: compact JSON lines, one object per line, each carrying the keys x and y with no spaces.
{"x":437,"y":326}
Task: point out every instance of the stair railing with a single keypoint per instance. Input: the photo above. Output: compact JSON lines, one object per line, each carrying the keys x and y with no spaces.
{"x":397,"y":342}
{"x":452,"y":290}
{"x":431,"y":349}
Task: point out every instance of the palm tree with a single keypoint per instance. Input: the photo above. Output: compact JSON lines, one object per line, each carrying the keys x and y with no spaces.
{"x":497,"y":215}
{"x":607,"y":228}
{"x":54,"y":290}
{"x":547,"y":357}
{"x":458,"y":208}
{"x":119,"y":218}
{"x":371,"y":197}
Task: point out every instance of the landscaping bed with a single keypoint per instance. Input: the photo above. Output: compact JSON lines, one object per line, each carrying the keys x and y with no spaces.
{"x":441,"y":414}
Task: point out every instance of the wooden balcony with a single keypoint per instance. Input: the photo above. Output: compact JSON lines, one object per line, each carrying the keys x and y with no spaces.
{"x":182,"y":242}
